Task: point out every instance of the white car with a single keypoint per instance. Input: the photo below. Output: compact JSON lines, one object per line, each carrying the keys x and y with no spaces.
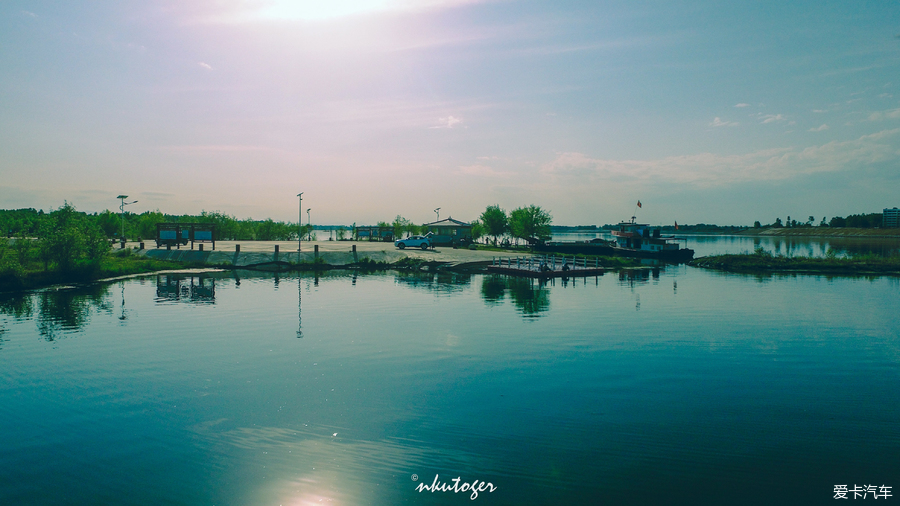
{"x":415,"y":241}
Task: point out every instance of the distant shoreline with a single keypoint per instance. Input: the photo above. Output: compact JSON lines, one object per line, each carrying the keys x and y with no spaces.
{"x":823,"y":232}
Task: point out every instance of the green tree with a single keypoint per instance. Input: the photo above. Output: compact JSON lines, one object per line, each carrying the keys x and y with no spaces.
{"x":530,"y":223}
{"x":404,"y":227}
{"x":68,"y":236}
{"x":146,"y":224}
{"x":494,"y":221}
{"x":477,"y":230}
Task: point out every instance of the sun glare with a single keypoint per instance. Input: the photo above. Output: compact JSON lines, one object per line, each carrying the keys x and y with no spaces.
{"x":315,"y":10}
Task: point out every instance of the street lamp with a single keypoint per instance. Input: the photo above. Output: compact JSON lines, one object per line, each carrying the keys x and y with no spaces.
{"x":122,"y":216}
{"x":438,"y":213}
{"x":308,"y":227}
{"x":300,"y":223}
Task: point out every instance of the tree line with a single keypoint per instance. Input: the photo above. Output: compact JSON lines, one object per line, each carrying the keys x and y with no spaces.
{"x":137,"y":227}
{"x":871,"y":220}
{"x":530,"y":224}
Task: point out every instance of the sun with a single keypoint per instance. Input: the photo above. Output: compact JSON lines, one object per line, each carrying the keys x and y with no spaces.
{"x":318,"y":10}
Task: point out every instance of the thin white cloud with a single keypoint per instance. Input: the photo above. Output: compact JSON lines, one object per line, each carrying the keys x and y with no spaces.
{"x":29,"y":13}
{"x":882,"y":115}
{"x":742,"y":105}
{"x":821,"y":128}
{"x":483,"y":171}
{"x":286,"y":10}
{"x":448,"y":122}
{"x":819,"y":111}
{"x":205,"y":65}
{"x":708,"y":169}
{"x":771,"y":118}
{"x":717,"y":122}
{"x":215,"y":148}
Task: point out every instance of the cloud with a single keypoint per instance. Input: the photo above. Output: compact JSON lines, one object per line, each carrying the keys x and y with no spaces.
{"x":29,"y":13}
{"x":214,"y":148}
{"x":820,"y":128}
{"x":483,"y":171}
{"x":205,"y":65}
{"x":742,"y":105}
{"x":288,"y":10}
{"x":448,"y":122}
{"x":708,"y":170}
{"x":719,"y":123}
{"x":771,"y":118}
{"x":882,"y":115}
{"x":819,"y":111}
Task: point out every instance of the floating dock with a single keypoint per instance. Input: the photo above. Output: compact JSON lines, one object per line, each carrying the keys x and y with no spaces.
{"x":547,"y":266}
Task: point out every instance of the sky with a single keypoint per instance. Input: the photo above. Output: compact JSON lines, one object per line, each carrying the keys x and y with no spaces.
{"x":705,"y":111}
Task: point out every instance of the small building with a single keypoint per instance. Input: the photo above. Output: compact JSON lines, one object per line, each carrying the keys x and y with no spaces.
{"x":890,"y":218}
{"x":450,"y":232}
{"x":179,"y":234}
{"x":385,"y":234}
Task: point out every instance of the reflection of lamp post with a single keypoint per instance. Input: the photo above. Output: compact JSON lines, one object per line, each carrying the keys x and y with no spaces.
{"x":300,"y":223}
{"x":308,"y":227}
{"x":122,"y":216}
{"x":438,"y":213}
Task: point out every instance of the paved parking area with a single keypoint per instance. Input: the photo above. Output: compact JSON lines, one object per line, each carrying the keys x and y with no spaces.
{"x":439,"y":254}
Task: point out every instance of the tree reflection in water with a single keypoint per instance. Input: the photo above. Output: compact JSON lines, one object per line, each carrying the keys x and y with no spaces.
{"x":69,"y":310}
{"x":15,"y":307}
{"x":57,"y":312}
{"x":528,"y":295}
{"x":440,"y":281}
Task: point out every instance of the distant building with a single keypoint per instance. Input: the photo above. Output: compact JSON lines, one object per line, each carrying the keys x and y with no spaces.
{"x":384,"y":234}
{"x":450,"y":232}
{"x":891,"y":218}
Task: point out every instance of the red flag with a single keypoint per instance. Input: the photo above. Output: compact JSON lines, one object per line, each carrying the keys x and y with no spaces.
{"x":676,"y":225}
{"x":639,"y":203}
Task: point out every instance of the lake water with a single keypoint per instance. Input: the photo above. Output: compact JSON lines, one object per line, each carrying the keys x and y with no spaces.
{"x":667,"y":386}
{"x":704,"y":245}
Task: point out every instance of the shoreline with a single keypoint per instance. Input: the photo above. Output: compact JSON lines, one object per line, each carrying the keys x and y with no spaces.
{"x":755,"y":263}
{"x":825,"y":232}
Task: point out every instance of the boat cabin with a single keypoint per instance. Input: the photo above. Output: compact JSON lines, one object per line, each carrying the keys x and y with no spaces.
{"x":640,"y":236}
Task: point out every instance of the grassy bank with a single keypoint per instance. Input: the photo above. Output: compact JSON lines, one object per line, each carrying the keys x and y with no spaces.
{"x":34,"y":275}
{"x":823,"y":232}
{"x":761,"y":261}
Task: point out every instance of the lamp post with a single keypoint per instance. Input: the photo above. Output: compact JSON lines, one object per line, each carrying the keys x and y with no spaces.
{"x":300,"y":224}
{"x":308,"y":227}
{"x":122,"y":216}
{"x":438,"y":213}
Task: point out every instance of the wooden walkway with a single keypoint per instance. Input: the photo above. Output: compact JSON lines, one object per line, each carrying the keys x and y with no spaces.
{"x":547,"y":266}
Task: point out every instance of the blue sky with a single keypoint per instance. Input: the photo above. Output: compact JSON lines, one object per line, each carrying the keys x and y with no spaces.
{"x":715,"y":112}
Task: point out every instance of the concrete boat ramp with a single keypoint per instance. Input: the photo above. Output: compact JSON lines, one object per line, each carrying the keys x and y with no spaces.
{"x":283,"y":255}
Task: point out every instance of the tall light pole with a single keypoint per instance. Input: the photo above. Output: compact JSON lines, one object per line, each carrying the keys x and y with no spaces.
{"x":300,"y":223}
{"x":308,"y":227}
{"x":438,"y":213}
{"x":122,"y":215}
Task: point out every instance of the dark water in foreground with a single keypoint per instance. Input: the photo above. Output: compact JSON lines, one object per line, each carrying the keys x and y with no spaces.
{"x":677,"y":386}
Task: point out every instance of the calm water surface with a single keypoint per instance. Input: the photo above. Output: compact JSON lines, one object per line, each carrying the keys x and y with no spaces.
{"x":672,"y":386}
{"x":704,"y":245}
